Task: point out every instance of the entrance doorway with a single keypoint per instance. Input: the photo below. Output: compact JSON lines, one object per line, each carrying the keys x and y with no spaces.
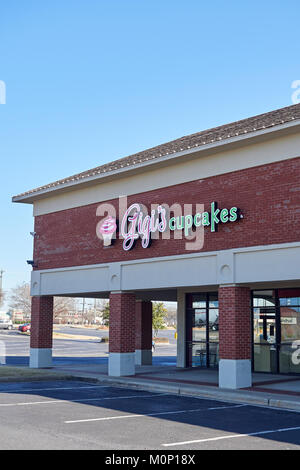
{"x":276,"y":331}
{"x":202,"y":330}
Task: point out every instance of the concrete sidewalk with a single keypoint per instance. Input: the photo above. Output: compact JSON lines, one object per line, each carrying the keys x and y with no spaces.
{"x":268,"y":390}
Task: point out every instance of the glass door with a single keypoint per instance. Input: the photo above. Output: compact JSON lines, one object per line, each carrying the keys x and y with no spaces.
{"x":202,"y":330}
{"x":213,"y":329}
{"x":264,"y":331}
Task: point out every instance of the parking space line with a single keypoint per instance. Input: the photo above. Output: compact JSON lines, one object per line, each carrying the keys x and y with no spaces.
{"x":231,"y":436}
{"x":52,"y":388}
{"x":46,"y":402}
{"x":151,"y":414}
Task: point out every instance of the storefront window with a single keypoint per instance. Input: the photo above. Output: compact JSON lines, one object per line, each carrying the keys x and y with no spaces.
{"x":264,"y":331}
{"x":290,"y":331}
{"x":276,"y":330}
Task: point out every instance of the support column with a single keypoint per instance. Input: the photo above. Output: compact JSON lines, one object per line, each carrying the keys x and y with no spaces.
{"x":41,"y":332}
{"x":235,"y":337}
{"x":143,"y":333}
{"x":121,"y":334}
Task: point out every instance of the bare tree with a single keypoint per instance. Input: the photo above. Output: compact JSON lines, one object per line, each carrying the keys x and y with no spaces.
{"x":171,"y":315}
{"x":20,"y":299}
{"x":1,"y":288}
{"x":63,"y":306}
{"x":2,"y":297}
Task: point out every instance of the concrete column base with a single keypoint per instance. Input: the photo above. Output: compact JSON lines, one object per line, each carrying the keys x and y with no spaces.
{"x":40,"y":357}
{"x":121,"y":364}
{"x":143,"y":357}
{"x":235,"y":373}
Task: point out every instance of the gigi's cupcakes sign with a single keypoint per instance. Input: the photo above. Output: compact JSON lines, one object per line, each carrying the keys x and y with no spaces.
{"x":136,"y":223}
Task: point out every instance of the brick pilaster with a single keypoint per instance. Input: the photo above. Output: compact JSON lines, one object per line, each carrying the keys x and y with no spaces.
{"x":143,"y":325}
{"x":41,"y":322}
{"x":234,"y":322}
{"x":122,"y":322}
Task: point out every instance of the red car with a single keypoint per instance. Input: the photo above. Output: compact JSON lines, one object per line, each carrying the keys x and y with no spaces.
{"x":25,"y":327}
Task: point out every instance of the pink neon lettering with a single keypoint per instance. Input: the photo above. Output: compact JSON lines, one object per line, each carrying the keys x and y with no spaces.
{"x":130,"y":236}
{"x":141,"y":226}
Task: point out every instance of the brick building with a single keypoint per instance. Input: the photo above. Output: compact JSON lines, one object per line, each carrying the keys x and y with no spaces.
{"x":210,"y":220}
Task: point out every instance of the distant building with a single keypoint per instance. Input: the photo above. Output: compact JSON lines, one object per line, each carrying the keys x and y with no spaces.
{"x":18,"y":316}
{"x":4,"y":315}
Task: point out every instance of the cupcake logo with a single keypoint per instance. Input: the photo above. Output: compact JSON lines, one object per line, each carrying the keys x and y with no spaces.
{"x":106,"y":230}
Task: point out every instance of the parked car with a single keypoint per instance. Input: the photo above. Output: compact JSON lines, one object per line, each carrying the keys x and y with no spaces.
{"x":6,"y":324}
{"x":25,"y":327}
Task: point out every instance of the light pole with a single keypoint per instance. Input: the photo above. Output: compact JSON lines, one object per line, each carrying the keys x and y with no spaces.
{"x":1,"y":290}
{"x":83,"y":308}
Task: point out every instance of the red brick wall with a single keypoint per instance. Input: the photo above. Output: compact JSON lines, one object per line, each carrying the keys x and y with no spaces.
{"x":143,"y":325}
{"x":234,"y":322}
{"x":268,"y":196}
{"x":122,"y":323}
{"x":41,"y":322}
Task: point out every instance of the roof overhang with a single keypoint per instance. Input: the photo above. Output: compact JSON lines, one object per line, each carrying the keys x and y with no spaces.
{"x":248,"y":138}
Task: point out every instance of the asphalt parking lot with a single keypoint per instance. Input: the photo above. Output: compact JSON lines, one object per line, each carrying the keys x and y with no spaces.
{"x":81,"y":415}
{"x":76,"y":351}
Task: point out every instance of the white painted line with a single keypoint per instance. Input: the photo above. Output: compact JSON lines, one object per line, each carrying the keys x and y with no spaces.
{"x":151,"y":414}
{"x":18,"y":390}
{"x":226,"y":406}
{"x":231,"y":436}
{"x":46,"y":402}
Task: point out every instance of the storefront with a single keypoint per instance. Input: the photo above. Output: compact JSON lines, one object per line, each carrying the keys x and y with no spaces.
{"x":211,"y":221}
{"x":275,"y":327}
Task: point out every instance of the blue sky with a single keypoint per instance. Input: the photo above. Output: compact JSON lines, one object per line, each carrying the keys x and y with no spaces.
{"x":89,"y":81}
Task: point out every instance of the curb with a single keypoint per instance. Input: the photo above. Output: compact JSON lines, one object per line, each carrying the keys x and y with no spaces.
{"x":205,"y":393}
{"x":224,"y":395}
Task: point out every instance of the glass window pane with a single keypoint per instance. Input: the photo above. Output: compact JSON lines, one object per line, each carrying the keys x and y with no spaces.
{"x":263,"y":298}
{"x":199,"y":325}
{"x":290,"y":324}
{"x":199,"y":300}
{"x":289,"y":358}
{"x":199,"y":355}
{"x":289,"y":301}
{"x":199,"y":304}
{"x":264,"y":327}
{"x":213,"y":354}
{"x":213,"y":300}
{"x":265,"y":359}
